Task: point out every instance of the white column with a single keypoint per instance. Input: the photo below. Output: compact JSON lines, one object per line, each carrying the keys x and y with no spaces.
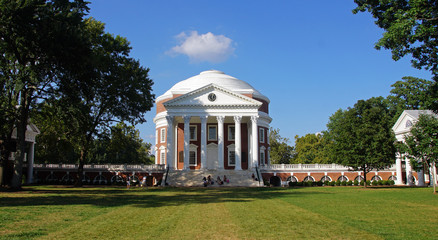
{"x":399,"y":172}
{"x":269,"y":155}
{"x":186,"y":141}
{"x":30,"y":159}
{"x":238,"y":142}
{"x":220,"y":141}
{"x":169,"y":149}
{"x":204,"y":142}
{"x":408,"y":172}
{"x":255,"y":141}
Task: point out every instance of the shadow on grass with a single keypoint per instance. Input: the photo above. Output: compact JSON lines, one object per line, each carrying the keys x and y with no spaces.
{"x":152,"y":197}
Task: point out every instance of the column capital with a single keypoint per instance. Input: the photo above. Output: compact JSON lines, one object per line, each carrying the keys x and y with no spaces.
{"x":203,"y":119}
{"x":254,"y":119}
{"x":237,"y":119}
{"x":220,"y":119}
{"x":187,"y":118}
{"x":169,"y":118}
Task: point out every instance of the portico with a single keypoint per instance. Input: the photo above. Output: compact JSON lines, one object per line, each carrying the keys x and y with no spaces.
{"x":200,"y":124}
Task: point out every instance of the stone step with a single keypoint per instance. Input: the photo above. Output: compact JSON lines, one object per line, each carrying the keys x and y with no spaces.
{"x":193,"y":178}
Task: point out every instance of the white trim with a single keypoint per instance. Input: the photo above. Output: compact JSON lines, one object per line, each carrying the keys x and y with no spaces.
{"x":193,"y":148}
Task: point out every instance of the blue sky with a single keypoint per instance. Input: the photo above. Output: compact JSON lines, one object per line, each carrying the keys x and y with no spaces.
{"x":309,"y":57}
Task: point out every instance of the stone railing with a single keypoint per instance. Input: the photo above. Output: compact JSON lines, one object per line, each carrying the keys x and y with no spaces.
{"x":310,"y":167}
{"x":102,"y":167}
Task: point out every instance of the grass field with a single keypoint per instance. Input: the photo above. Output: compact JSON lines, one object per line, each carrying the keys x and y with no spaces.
{"x":51,"y":212}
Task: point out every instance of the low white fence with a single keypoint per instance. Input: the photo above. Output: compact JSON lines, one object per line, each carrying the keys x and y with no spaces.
{"x":108,"y":167}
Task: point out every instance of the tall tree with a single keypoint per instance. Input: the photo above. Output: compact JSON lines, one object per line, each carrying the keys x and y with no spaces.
{"x":114,"y":88}
{"x":361,"y":137}
{"x":39,"y":42}
{"x":411,"y":27}
{"x":421,"y":145}
{"x":410,"y":93}
{"x":281,"y":152}
{"x":310,"y":149}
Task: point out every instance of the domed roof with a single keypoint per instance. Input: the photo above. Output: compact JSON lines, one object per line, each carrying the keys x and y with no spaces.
{"x":212,"y":76}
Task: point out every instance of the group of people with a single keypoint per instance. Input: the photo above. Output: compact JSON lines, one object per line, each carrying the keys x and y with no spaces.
{"x":209,"y":181}
{"x":143,"y":183}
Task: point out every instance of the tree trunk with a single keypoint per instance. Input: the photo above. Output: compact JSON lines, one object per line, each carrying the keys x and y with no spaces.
{"x":364,"y":177}
{"x":21,"y":150}
{"x":81,"y":168}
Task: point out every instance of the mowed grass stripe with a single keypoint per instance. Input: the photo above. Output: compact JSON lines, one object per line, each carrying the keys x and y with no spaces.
{"x":403,"y":213}
{"x":276,"y":219}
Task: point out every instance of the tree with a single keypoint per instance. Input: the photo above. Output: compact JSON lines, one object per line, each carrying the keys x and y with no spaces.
{"x":112,"y":88}
{"x":361,"y":137}
{"x":421,"y":145}
{"x":281,"y":152}
{"x":410,"y":93}
{"x":310,"y":149}
{"x":40,"y":41}
{"x":411,"y":27}
{"x":123,"y":145}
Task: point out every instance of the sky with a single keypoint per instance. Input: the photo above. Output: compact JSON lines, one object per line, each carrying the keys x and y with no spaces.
{"x":310,"y":58}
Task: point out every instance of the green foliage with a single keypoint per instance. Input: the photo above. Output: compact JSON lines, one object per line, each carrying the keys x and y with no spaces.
{"x":410,"y":93}
{"x":355,"y":183}
{"x":280,"y":152}
{"x":310,"y":149}
{"x":361,"y":137}
{"x":411,"y":28}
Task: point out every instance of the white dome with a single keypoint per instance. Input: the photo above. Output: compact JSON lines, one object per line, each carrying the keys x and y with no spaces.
{"x":212,"y":76}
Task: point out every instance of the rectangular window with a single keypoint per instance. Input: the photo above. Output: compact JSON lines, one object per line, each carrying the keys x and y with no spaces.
{"x":262,"y":135}
{"x":231,"y":132}
{"x":162,"y":157}
{"x":262,"y":157}
{"x":192,"y":158}
{"x":193,"y":133}
{"x":231,"y":158}
{"x":163,"y":135}
{"x":212,"y":133}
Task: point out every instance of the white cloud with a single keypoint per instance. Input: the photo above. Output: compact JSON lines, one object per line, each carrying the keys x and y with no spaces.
{"x":205,"y":47}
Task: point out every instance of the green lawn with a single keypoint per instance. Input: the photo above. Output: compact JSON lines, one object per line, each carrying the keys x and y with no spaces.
{"x":50,"y":212}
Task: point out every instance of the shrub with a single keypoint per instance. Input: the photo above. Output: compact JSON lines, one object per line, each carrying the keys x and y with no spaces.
{"x":326,"y":183}
{"x":349,"y":183}
{"x":292,"y":184}
{"x":299,"y":184}
{"x":385,"y":182}
{"x":391,"y":182}
{"x":332,"y":183}
{"x":375,"y":183}
{"x":380,"y":182}
{"x":368,"y":182}
{"x":319,"y":183}
{"x":356,"y":183}
{"x":308,"y":184}
{"x":266,"y":183}
{"x":344,"y":183}
{"x":338,"y":183}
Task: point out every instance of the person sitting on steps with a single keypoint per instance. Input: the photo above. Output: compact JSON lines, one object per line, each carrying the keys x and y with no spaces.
{"x":219,"y":181}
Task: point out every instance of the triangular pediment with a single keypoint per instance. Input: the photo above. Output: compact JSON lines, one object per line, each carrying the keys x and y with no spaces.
{"x":404,"y":123}
{"x":212,"y":96}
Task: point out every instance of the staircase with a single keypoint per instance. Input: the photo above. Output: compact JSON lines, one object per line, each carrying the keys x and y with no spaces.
{"x":193,"y":178}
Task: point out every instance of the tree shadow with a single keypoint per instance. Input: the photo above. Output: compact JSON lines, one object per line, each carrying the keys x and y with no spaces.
{"x":150,"y":198}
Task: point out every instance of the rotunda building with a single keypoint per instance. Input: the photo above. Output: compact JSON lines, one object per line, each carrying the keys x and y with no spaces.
{"x":212,"y":121}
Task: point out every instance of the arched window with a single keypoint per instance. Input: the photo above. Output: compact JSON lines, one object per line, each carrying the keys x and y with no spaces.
{"x":309,"y":179}
{"x":117,"y":179}
{"x":393,"y":178}
{"x":376,"y":178}
{"x":343,"y":178}
{"x":67,"y":179}
{"x":99,"y":179}
{"x":292,"y":179}
{"x":326,"y":178}
{"x":359,"y":178}
{"x":86,"y":179}
{"x":51,"y":178}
